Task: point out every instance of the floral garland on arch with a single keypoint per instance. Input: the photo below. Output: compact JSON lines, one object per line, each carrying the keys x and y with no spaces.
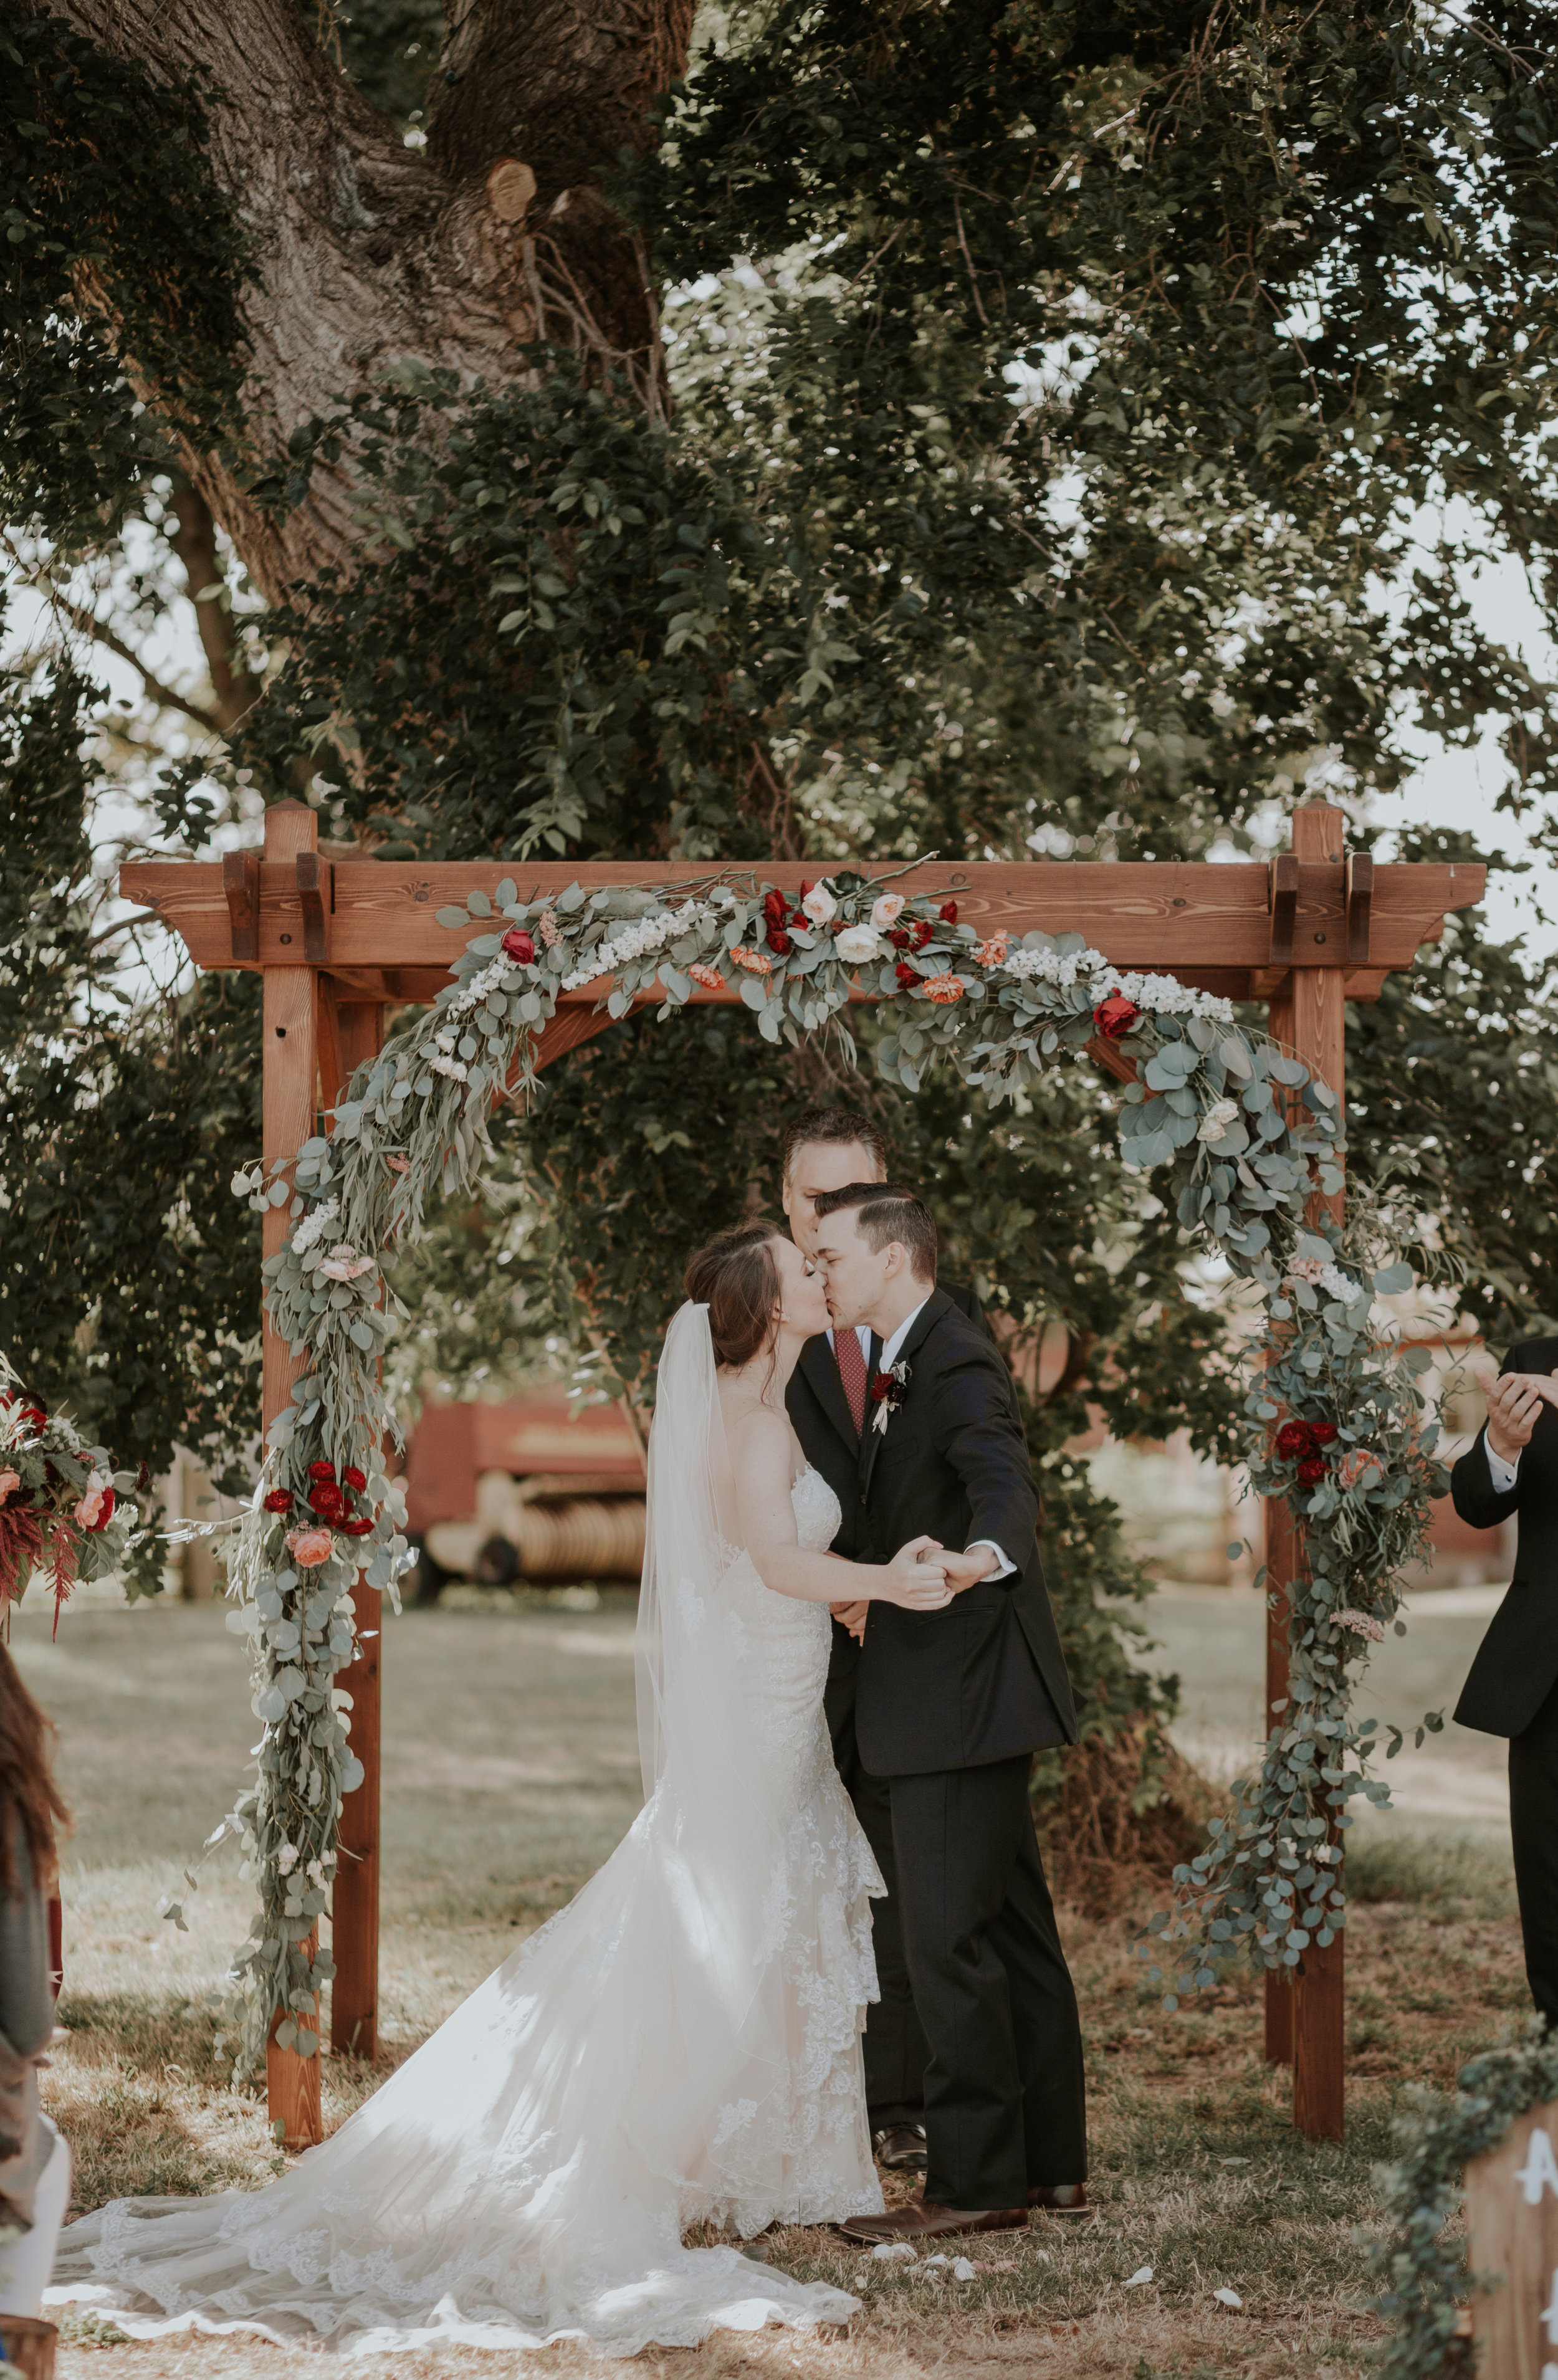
{"x":1353,"y":1458}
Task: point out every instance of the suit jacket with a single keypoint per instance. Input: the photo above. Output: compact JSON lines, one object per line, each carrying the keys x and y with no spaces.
{"x":819,"y":1415}
{"x":985,"y":1678}
{"x":1516,"y":1663}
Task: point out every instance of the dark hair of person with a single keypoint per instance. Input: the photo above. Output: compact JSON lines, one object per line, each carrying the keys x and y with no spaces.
{"x":28,"y":1791}
{"x":835,"y":1128}
{"x":738,"y":1280}
{"x":888,"y":1212}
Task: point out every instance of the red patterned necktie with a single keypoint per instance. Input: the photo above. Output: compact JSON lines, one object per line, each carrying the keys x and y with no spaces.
{"x":852,"y":1372}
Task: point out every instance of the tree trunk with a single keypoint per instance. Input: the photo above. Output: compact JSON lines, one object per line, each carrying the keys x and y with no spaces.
{"x":370,"y":252}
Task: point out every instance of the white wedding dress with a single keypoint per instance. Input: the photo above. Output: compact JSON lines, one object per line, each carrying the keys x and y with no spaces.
{"x":681,"y":2041}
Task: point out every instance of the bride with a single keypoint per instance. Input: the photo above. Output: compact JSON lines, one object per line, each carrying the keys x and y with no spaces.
{"x":681,"y":2043}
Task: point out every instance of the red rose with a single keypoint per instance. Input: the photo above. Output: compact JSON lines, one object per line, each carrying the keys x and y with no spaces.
{"x":882,"y":1387}
{"x":354,"y":1479}
{"x":908,"y":976}
{"x":1115,"y":1016}
{"x":37,"y":1416}
{"x":1293,"y":1439}
{"x":279,"y":1500}
{"x":776,"y":907}
{"x":1312,"y":1471}
{"x":519,"y":945}
{"x":105,"y":1512}
{"x":778,"y":942}
{"x":327,"y":1501}
{"x":322,"y":1471}
{"x":1322,"y":1432}
{"x":357,"y":1528}
{"x":948,"y":913}
{"x":922,"y":932}
{"x":900,"y":937}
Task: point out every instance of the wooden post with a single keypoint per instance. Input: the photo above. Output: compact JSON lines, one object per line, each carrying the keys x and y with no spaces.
{"x":354,"y":1902}
{"x":1310,"y":1016}
{"x":1511,"y":2216}
{"x":288,"y":1071}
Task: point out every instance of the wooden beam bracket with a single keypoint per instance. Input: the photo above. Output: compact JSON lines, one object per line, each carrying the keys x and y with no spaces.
{"x":241,"y":882}
{"x":1359,"y":897}
{"x":316,"y":898}
{"x":1283,"y":899}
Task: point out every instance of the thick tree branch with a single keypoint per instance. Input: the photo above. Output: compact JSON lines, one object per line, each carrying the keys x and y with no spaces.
{"x":368,"y":253}
{"x":194,"y":541}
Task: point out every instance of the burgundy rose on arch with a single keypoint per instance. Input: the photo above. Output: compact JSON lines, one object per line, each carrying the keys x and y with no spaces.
{"x":360,"y":1527}
{"x":354,"y":1479}
{"x":1312,"y":1471}
{"x":1293,"y":1440}
{"x":923,"y":932}
{"x":1115,"y":1016}
{"x":948,"y":913}
{"x":1322,"y":1432}
{"x":322,"y":1471}
{"x":517,"y":944}
{"x":279,"y":1500}
{"x":901,"y":939}
{"x":908,"y":976}
{"x":779,"y":941}
{"x":327,"y":1501}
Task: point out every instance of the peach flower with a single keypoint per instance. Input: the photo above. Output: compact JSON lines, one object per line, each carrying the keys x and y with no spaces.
{"x":755,"y":961}
{"x":89,"y":1507}
{"x":1354,"y":1467}
{"x":709,"y":978}
{"x":993,"y":952}
{"x":9,"y":1482}
{"x":309,"y":1547}
{"x":943,"y":988}
{"x":342,"y":1263}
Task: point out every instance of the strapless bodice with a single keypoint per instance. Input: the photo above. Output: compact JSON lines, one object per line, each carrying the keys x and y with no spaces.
{"x":817,"y":1509}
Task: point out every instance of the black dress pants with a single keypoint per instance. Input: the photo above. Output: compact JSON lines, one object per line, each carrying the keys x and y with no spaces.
{"x":896,"y":2052}
{"x":1004,"y":2091}
{"x":1533,"y":1826}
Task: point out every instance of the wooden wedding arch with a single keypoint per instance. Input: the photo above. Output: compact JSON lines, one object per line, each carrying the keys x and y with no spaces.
{"x":338,"y":940}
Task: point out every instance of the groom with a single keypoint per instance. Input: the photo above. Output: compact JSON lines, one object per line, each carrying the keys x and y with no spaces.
{"x":949,"y":1708}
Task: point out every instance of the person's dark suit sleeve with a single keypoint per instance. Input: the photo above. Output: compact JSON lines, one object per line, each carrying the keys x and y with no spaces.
{"x":978,"y":1432}
{"x":1472,"y":1491}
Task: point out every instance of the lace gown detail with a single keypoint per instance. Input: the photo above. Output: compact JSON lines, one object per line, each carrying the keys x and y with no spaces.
{"x":681,"y":2041}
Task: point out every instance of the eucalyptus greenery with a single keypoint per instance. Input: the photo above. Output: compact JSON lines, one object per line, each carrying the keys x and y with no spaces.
{"x":1247,"y":1129}
{"x":1422,"y":2263}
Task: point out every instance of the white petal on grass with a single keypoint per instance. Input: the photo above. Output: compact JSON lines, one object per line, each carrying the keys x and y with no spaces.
{"x":963,"y":2270}
{"x":1233,"y":2160}
{"x":1142,"y":2272}
{"x":893,"y":2252}
{"x":1229,"y":2297}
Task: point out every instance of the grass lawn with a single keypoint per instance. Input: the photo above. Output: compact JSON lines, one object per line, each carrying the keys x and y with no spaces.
{"x":511,"y":1770}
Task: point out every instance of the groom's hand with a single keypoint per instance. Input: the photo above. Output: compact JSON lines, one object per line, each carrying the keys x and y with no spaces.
{"x":964,"y":1570}
{"x":853,"y":1617}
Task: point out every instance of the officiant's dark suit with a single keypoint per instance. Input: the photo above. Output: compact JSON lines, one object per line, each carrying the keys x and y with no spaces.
{"x":949,"y":1707}
{"x":1512,"y":1687}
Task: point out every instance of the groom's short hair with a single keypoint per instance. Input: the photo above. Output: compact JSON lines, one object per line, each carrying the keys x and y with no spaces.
{"x":886,"y":1212}
{"x":835,"y":1128}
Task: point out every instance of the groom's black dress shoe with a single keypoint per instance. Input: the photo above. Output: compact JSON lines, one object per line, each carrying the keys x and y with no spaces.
{"x":900,"y":2147}
{"x":919,"y":2221}
{"x":1061,"y":2198}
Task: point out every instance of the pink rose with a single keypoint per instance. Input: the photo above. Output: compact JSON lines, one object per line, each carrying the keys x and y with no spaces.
{"x":345,"y":1264}
{"x":309,"y":1547}
{"x":994,"y":952}
{"x":9,"y":1482}
{"x":1354,"y":1467}
{"x":886,"y":910}
{"x":89,"y":1513}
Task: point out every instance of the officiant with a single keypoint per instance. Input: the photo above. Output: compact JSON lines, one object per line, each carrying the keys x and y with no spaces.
{"x":1512,"y":1688}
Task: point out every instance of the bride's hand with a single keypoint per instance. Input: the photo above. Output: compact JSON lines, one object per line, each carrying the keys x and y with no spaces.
{"x":915,"y":1584}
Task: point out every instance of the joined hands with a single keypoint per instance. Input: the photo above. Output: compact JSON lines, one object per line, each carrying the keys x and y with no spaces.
{"x":923,"y":1560}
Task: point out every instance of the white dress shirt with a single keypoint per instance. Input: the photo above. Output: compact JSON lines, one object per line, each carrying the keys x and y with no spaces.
{"x":1502,"y":1474}
{"x":889,"y":1357}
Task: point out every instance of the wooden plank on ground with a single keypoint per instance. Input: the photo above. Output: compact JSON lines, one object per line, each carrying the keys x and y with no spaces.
{"x":1511,"y":2216}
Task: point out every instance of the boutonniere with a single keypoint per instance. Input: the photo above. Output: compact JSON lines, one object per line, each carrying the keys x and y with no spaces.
{"x":887,"y":1390}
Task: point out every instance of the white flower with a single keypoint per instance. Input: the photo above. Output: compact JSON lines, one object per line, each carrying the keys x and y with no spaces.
{"x":316,"y":1872}
{"x":886,"y":910}
{"x":313,"y":1224}
{"x":820,"y":905}
{"x":636,"y":943}
{"x":1218,"y":1117}
{"x":1362,"y":1623}
{"x":858,"y":943}
{"x":288,"y":1858}
{"x":450,"y":1066}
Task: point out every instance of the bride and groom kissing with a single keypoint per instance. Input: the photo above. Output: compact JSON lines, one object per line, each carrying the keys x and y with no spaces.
{"x":681,"y":2045}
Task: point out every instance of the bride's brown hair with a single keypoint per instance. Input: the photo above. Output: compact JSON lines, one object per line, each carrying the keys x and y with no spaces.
{"x":738,"y":1280}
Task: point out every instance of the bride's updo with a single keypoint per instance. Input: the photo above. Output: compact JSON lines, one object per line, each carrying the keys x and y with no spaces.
{"x":738,"y":1280}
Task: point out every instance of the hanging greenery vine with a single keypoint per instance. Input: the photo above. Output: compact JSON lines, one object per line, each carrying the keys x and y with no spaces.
{"x":1251,"y":1138}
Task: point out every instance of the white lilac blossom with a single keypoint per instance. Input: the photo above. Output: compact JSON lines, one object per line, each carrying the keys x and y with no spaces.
{"x":493,"y":976}
{"x":1159,"y":995}
{"x":313,"y":1225}
{"x":650,"y":933}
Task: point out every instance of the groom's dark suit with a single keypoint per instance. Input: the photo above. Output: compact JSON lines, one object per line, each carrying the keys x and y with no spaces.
{"x":1513,"y":1686}
{"x":950,"y":1706}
